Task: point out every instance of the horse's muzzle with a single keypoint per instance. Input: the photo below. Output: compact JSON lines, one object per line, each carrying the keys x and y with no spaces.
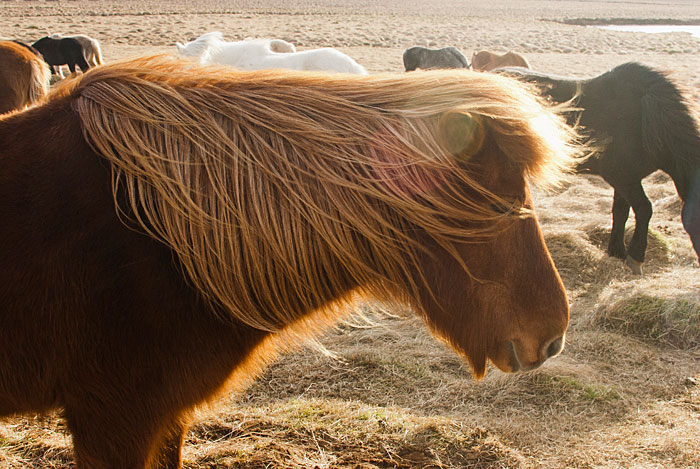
{"x":520,"y":360}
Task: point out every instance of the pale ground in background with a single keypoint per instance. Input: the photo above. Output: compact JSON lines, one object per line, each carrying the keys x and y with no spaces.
{"x":394,"y":396}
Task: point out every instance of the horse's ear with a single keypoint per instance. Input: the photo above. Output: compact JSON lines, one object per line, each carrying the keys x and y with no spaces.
{"x":180,"y":48}
{"x":462,"y":133}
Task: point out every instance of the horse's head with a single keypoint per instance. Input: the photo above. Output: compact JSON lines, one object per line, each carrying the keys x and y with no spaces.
{"x":495,"y":295}
{"x":381,"y":184}
{"x":181,"y":49}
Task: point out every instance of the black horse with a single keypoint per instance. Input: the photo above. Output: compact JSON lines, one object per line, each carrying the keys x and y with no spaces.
{"x":62,"y":51}
{"x":424,"y":58}
{"x":638,"y":122}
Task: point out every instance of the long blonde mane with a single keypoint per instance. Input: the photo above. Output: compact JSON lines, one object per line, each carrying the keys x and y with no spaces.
{"x":277,"y":190}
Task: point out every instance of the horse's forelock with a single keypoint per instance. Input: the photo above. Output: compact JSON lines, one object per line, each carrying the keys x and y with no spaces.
{"x":194,"y":148}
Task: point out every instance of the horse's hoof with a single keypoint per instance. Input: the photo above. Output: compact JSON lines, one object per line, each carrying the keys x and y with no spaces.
{"x":635,"y":265}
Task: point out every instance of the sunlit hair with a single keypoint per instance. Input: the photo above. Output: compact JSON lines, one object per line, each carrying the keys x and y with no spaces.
{"x":277,"y":188}
{"x":24,"y":75}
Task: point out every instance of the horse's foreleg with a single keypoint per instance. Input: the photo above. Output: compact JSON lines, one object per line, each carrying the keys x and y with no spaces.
{"x":169,"y":452}
{"x":691,"y":211}
{"x":107,"y":440}
{"x":620,"y":213}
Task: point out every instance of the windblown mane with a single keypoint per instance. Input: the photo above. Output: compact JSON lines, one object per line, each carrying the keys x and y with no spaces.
{"x":277,"y":188}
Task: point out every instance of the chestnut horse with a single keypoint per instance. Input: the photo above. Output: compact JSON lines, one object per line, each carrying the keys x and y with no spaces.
{"x":167,"y":228}
{"x":24,"y":76}
{"x":485,"y":61}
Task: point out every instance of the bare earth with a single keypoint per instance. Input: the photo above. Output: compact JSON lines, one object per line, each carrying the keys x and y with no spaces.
{"x":624,"y":393}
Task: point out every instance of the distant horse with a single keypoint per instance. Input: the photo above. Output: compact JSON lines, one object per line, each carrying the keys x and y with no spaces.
{"x":24,"y":76}
{"x":91,"y":48}
{"x":168,"y":228}
{"x":424,"y":58}
{"x":639,"y":122}
{"x":259,"y":54}
{"x":62,"y":51}
{"x":486,"y":61}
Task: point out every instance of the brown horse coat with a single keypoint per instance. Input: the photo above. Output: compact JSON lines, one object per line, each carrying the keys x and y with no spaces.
{"x":24,"y":76}
{"x":485,"y":61}
{"x":168,"y":228}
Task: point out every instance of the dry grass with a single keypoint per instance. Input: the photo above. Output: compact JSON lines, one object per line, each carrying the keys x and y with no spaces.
{"x":669,"y":321}
{"x":327,"y":433}
{"x":625,"y":391}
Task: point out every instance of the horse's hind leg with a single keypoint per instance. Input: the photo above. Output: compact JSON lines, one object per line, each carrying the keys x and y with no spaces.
{"x":82,"y":63}
{"x":641,"y":205}
{"x":620,"y":213}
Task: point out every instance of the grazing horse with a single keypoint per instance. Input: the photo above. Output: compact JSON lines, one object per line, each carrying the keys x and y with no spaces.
{"x":168,"y":228}
{"x":62,"y":51}
{"x":24,"y":76}
{"x":91,"y":48}
{"x":638,"y":122}
{"x":486,"y":61}
{"x":424,"y":58}
{"x":259,"y":54}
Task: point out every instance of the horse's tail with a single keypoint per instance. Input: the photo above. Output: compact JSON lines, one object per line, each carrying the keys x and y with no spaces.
{"x":40,"y":81}
{"x":97,"y":51}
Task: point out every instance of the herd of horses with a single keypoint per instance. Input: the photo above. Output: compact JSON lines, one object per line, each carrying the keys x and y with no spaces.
{"x":170,"y":226}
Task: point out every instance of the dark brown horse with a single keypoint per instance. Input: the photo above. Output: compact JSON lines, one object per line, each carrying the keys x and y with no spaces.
{"x":24,"y":76}
{"x":638,"y":121}
{"x":59,"y":51}
{"x":167,"y":229}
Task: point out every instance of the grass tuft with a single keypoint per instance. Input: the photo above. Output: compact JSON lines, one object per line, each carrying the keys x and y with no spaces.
{"x":668,"y":321}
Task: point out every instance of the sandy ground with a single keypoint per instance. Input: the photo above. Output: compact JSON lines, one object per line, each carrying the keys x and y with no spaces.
{"x":637,"y":405}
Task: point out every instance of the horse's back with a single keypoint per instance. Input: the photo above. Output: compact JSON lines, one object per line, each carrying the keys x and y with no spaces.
{"x":329,"y":59}
{"x":487,"y":61}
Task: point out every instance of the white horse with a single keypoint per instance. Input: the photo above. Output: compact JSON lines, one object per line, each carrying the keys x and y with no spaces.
{"x":258,"y":54}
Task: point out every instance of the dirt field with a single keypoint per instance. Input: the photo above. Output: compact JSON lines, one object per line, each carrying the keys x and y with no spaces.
{"x":626,"y":390}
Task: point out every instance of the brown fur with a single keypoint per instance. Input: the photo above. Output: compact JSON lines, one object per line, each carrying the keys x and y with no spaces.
{"x":252,"y":207}
{"x":485,"y":61}
{"x":24,"y":77}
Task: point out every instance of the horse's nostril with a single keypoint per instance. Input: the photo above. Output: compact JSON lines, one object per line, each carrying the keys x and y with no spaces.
{"x":554,"y":348}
